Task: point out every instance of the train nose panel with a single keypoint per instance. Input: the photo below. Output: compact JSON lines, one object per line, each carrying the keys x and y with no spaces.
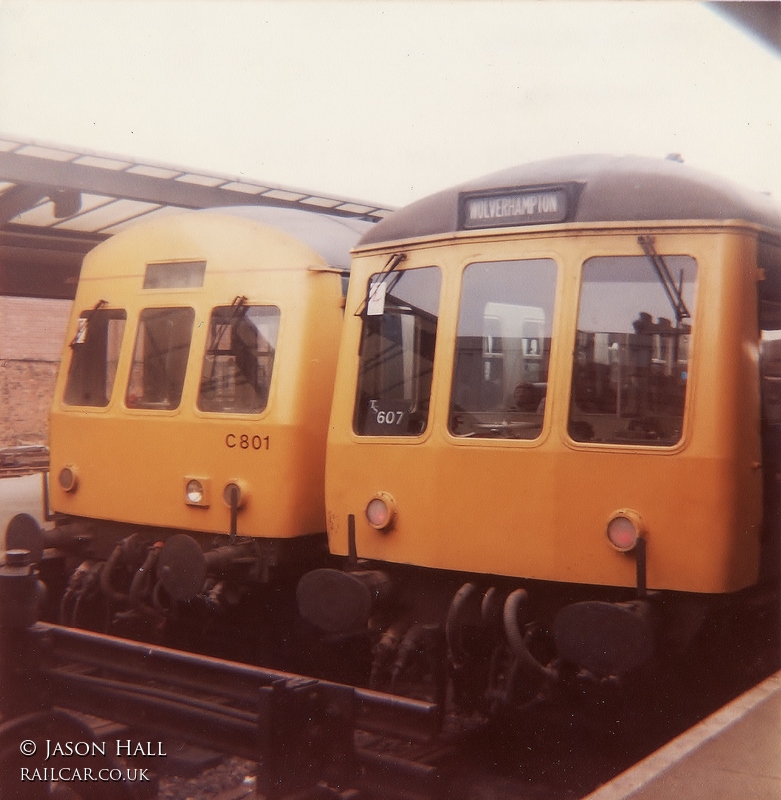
{"x":607,"y":639}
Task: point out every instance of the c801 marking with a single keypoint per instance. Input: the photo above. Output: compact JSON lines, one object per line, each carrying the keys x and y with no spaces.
{"x":246,"y":442}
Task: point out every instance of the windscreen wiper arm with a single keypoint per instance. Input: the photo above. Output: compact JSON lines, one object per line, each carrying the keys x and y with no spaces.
{"x":393,"y":262}
{"x":81,"y":331}
{"x":673,"y":292}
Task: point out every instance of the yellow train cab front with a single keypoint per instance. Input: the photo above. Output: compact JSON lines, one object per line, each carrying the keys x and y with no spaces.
{"x":544,"y":368}
{"x":196,"y":380}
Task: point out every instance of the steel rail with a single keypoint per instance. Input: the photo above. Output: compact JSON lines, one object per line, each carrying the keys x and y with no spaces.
{"x":239,"y":682}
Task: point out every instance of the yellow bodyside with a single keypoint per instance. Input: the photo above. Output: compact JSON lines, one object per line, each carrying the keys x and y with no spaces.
{"x":538,"y":509}
{"x":132,"y":463}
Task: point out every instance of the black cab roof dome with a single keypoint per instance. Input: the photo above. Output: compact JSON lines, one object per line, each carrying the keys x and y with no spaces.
{"x":586,"y":188}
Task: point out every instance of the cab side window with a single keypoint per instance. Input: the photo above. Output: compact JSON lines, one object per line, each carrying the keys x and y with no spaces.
{"x":769,"y":261}
{"x":239,"y":359}
{"x":631,"y":360}
{"x":397,"y":353}
{"x":94,"y":356}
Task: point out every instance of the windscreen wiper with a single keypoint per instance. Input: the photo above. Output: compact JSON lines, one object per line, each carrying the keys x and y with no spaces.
{"x":674,"y":292}
{"x":393,"y":262}
{"x":81,"y":331}
{"x":237,"y":307}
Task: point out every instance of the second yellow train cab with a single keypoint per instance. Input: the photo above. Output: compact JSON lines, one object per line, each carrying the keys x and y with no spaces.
{"x":197,"y":375}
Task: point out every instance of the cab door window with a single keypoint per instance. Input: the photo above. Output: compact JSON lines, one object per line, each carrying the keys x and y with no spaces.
{"x":160,"y":358}
{"x":769,"y":261}
{"x":239,"y":358}
{"x":397,"y":353}
{"x":505,"y":324}
{"x":631,"y":360}
{"x":94,"y":356}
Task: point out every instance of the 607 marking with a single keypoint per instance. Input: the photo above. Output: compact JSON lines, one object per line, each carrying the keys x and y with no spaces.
{"x":246,"y":442}
{"x":390,"y":417}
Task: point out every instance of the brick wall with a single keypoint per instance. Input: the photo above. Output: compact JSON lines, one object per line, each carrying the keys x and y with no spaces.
{"x":32,"y":332}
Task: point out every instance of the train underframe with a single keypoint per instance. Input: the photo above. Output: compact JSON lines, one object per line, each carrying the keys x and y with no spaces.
{"x":482,"y":644}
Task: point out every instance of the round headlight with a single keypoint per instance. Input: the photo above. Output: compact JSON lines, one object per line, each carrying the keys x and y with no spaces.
{"x":381,"y":511}
{"x":624,"y":529}
{"x":194,"y":491}
{"x":68,"y":479}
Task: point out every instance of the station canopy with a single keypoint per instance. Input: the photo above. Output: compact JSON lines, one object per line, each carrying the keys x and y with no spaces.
{"x":57,"y":203}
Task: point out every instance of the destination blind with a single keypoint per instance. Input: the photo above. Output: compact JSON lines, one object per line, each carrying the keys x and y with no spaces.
{"x":522,"y":207}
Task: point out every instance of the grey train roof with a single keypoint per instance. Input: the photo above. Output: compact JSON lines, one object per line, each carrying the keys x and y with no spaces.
{"x":597,"y":188}
{"x":329,"y":236}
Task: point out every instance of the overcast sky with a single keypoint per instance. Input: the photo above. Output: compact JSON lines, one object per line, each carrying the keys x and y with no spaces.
{"x":389,"y":101}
